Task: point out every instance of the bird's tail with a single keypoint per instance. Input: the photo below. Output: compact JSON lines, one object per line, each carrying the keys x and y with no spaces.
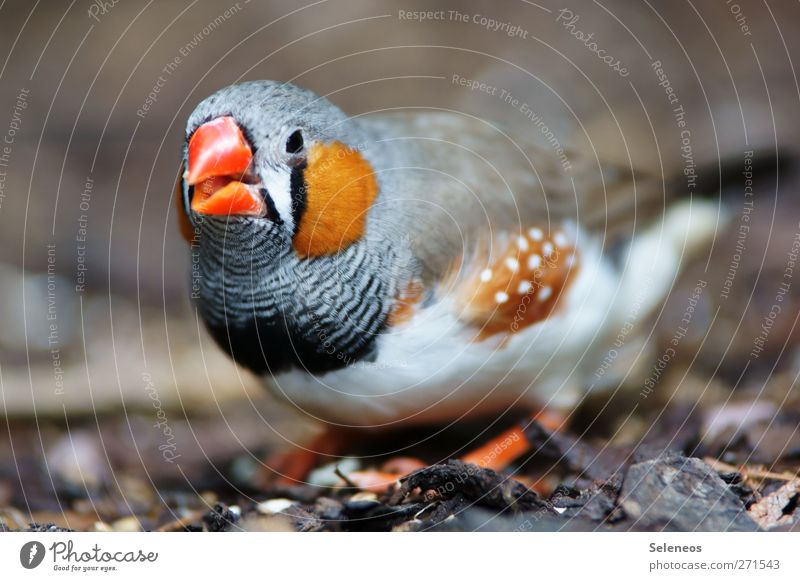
{"x":655,"y":256}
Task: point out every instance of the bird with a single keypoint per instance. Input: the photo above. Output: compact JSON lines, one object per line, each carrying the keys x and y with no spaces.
{"x":420,"y":266}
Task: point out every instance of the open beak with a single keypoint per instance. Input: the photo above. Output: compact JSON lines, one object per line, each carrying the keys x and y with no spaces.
{"x":219,"y":157}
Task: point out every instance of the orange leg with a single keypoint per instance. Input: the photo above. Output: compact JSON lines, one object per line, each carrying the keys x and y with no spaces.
{"x":500,"y":452}
{"x":390,"y":473}
{"x":497,"y":455}
{"x":292,"y":467}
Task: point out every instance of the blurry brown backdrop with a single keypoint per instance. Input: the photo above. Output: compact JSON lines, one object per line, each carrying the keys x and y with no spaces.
{"x":85,"y":71}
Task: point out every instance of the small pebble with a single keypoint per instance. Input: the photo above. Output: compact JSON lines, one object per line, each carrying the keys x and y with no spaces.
{"x":326,"y":475}
{"x":100,"y":527}
{"x":364,"y":495}
{"x":129,"y":524}
{"x":410,"y":526}
{"x":274,"y":505}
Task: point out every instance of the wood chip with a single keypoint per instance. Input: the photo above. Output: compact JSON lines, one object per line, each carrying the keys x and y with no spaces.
{"x":779,"y":508}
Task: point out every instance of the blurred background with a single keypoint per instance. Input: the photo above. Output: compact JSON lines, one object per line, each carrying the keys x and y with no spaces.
{"x":97,"y":335}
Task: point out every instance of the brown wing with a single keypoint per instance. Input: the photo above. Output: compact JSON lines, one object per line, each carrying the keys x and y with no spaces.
{"x":470,"y":180}
{"x":521,"y":285}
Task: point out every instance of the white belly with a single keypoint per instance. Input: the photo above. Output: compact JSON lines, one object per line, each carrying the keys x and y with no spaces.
{"x":430,"y":370}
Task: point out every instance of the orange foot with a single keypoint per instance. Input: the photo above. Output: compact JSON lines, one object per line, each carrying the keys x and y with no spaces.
{"x":390,"y":474}
{"x":501,"y":451}
{"x":497,"y":454}
{"x":292,"y":467}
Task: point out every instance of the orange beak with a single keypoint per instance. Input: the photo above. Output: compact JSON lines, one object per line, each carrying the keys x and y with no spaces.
{"x":219,"y":155}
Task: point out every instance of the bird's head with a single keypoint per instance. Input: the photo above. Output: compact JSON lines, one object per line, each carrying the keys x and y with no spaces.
{"x":275,"y":157}
{"x":276,"y":196}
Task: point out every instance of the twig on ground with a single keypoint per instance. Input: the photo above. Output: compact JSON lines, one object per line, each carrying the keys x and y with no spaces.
{"x":746,"y":472}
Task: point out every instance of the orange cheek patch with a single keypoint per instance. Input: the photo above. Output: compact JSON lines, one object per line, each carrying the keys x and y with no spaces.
{"x":340,"y":188}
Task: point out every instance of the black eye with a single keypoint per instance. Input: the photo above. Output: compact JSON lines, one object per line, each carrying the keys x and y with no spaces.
{"x":295,"y":142}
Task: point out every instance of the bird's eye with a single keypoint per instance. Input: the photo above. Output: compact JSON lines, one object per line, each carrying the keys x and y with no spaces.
{"x":295,"y":142}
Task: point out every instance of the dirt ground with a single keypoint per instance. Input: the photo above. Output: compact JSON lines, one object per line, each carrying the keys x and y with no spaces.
{"x":134,"y":420}
{"x":709,"y":460}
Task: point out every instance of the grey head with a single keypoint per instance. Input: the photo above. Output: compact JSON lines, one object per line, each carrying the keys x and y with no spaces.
{"x":269,"y":305}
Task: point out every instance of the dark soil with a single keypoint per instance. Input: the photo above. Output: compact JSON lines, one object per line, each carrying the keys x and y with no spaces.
{"x":679,"y":474}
